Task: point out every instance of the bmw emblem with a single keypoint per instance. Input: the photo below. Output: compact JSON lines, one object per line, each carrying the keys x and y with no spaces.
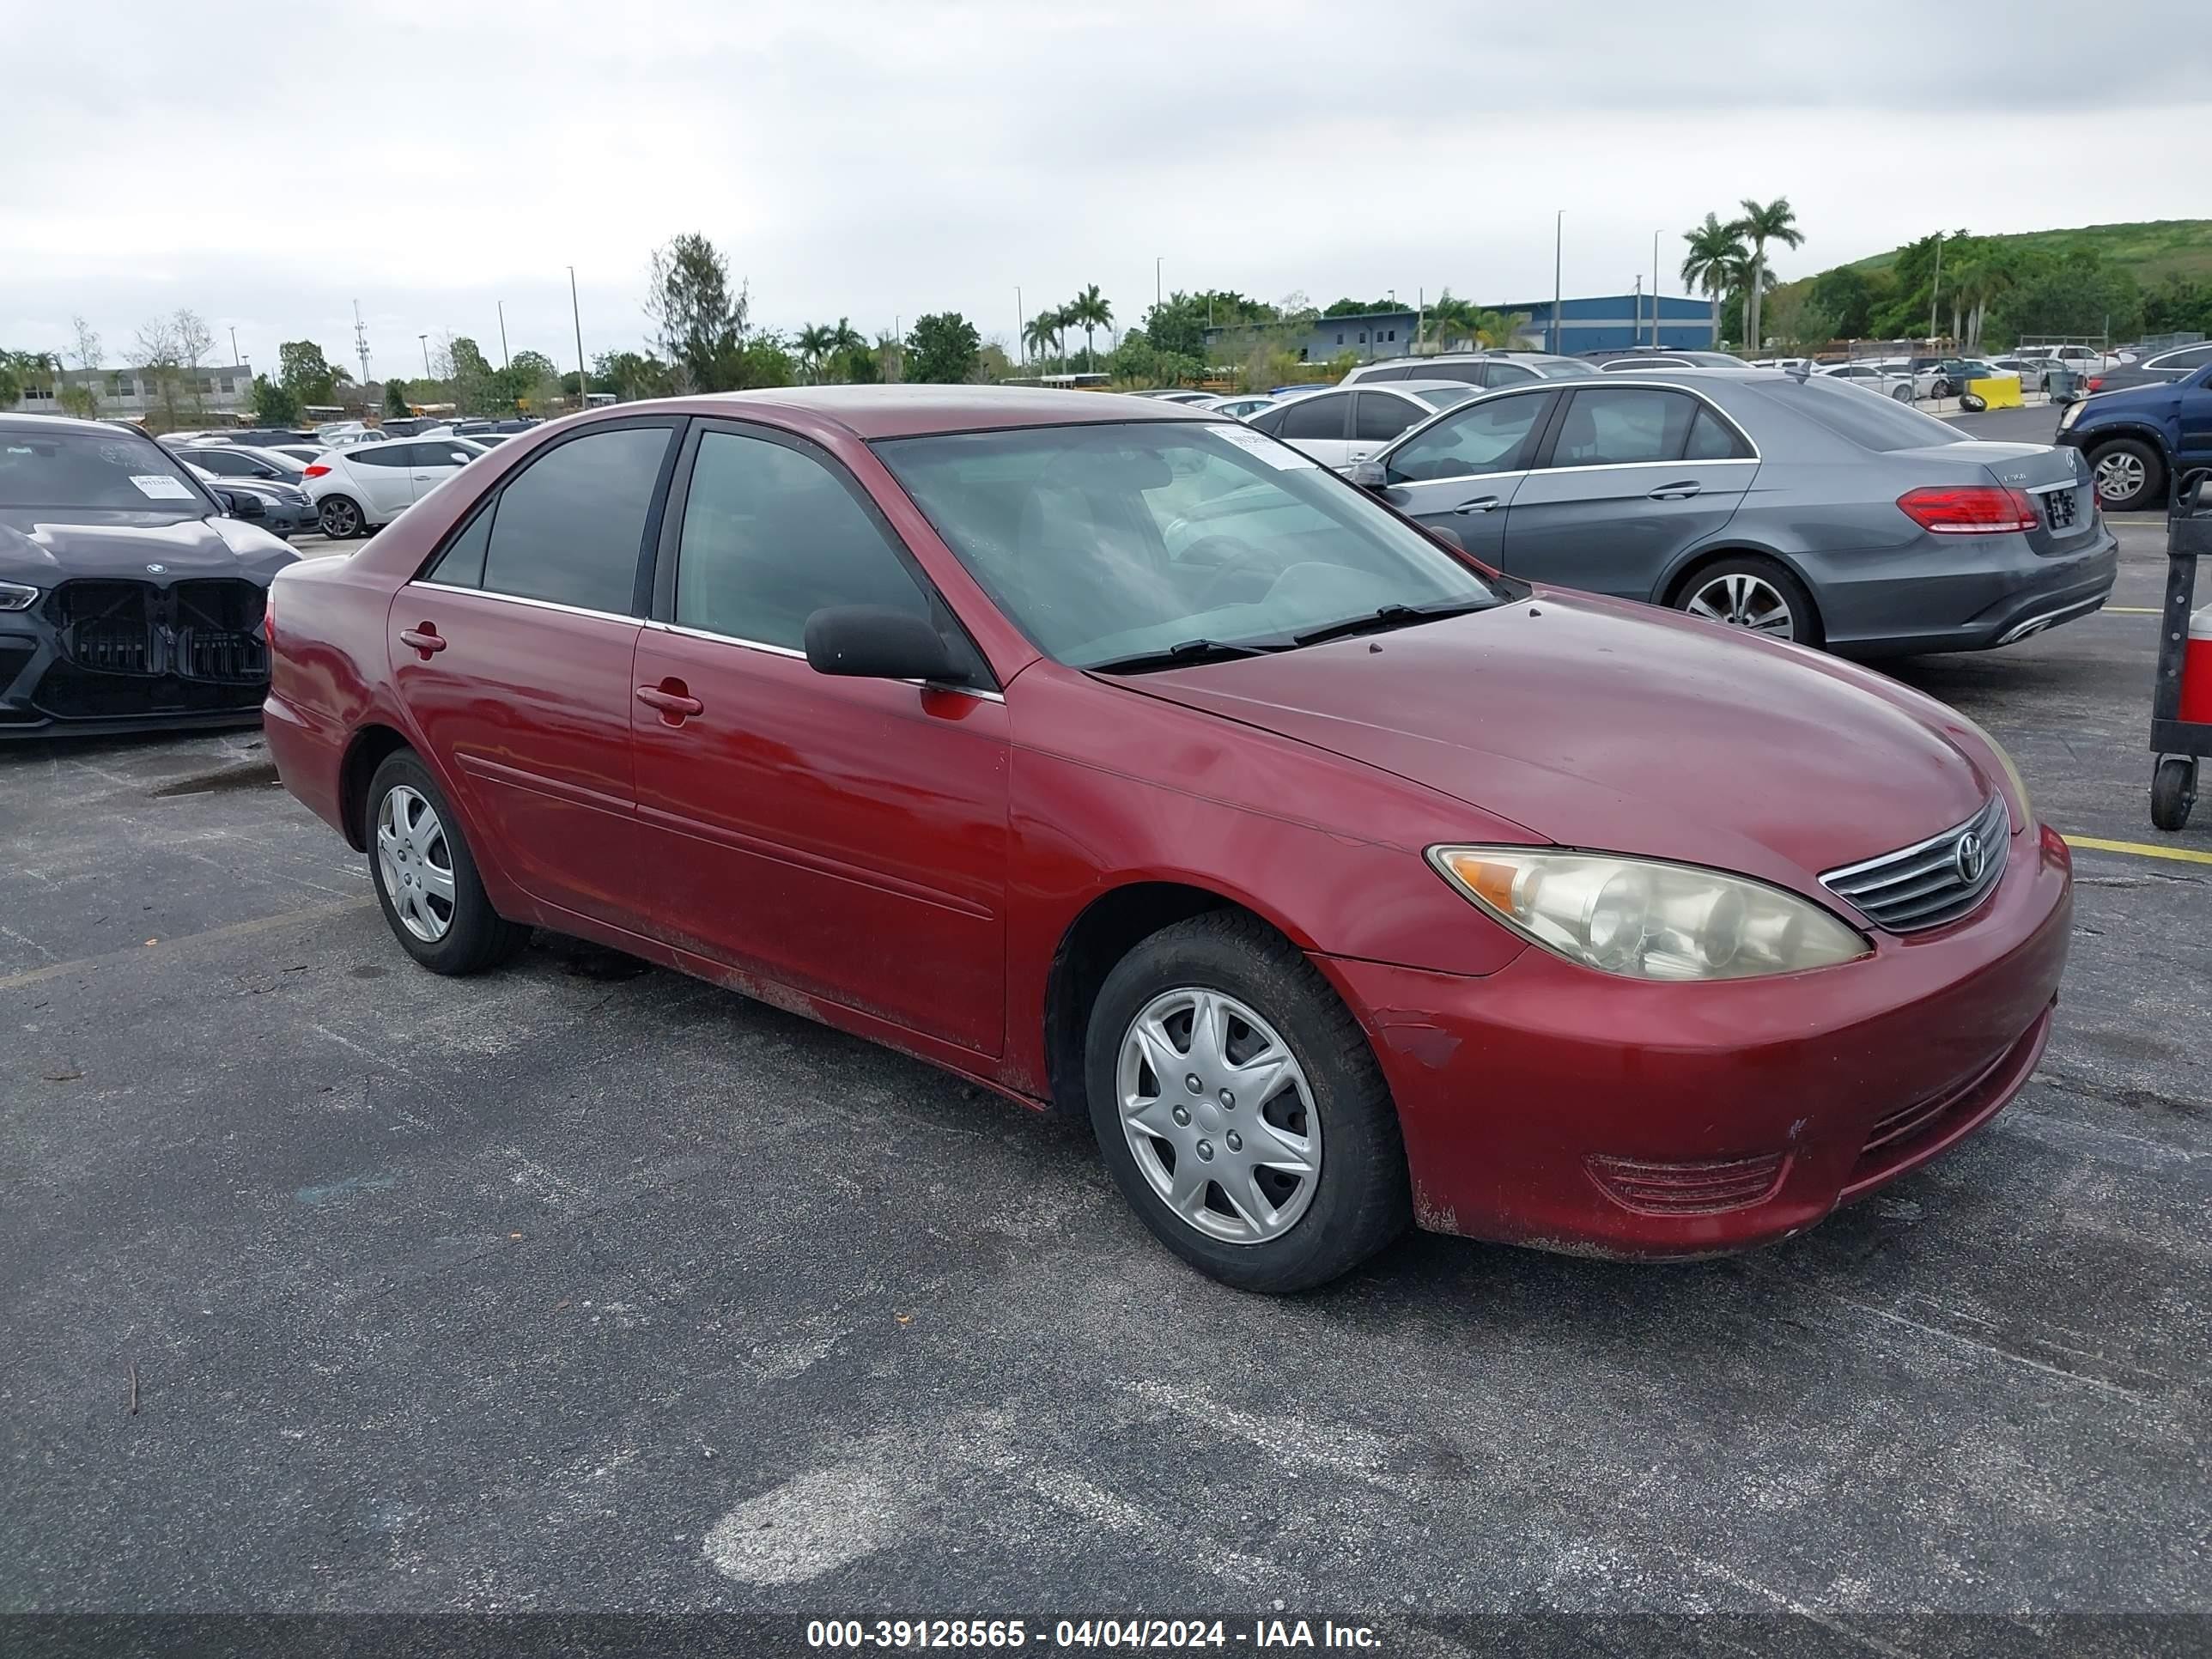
{"x":1971,"y":858}
{"x":156,"y":570}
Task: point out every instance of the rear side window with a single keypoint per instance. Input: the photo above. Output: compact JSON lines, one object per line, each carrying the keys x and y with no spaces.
{"x":378,"y":455}
{"x":1859,"y":416}
{"x":1712,"y":439}
{"x":1618,"y":426}
{"x":1509,"y":374}
{"x":461,"y":565}
{"x":1315,"y":417}
{"x":1379,"y":416}
{"x":571,"y":528}
{"x":2194,"y":357}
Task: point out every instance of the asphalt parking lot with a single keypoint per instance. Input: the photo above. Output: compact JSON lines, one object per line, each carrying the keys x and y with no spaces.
{"x":335,"y":1285}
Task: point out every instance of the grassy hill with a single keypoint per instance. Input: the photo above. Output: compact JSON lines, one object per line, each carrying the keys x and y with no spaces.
{"x":2151,"y":252}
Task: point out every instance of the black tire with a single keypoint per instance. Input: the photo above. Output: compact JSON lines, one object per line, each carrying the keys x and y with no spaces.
{"x":2152,"y":490}
{"x":1940,"y":389}
{"x":1805,"y":627}
{"x":1361,"y":1199}
{"x":476,"y":936}
{"x":2173,"y":793}
{"x":342,"y":509}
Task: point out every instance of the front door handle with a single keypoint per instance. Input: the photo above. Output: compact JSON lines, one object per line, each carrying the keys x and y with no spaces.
{"x":424,"y":639}
{"x":1674,"y":492}
{"x":1480,"y":504}
{"x":673,"y":699}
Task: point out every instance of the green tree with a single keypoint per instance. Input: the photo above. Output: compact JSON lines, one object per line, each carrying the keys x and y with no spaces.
{"x":1847,"y":296}
{"x":395,"y":399}
{"x":1357,"y":307}
{"x":2076,"y":293}
{"x":20,"y":371}
{"x":942,"y":349}
{"x":1500,"y":330}
{"x":814,"y":343}
{"x":1038,"y":331}
{"x":859,"y":363}
{"x":1088,"y":310}
{"x":1800,"y":324}
{"x":273,"y":402}
{"x":1714,"y":253}
{"x":1775,"y":221}
{"x":1178,"y":324}
{"x":702,"y":322}
{"x":155,"y":354}
{"x":305,"y":373}
{"x":1451,"y":318}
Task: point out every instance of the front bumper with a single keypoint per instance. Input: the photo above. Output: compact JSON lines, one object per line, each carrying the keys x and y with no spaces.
{"x":1989,"y":591}
{"x":103,"y":656}
{"x":1552,"y":1106}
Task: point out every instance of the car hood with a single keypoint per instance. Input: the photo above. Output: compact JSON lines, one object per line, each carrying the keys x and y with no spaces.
{"x":1603,"y":724}
{"x":43,"y":547}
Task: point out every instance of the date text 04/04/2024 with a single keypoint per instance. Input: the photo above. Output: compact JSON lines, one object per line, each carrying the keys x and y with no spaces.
{"x":1139,"y":1633}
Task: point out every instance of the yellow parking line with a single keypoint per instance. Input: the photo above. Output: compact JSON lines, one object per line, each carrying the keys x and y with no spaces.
{"x":2140,"y":850}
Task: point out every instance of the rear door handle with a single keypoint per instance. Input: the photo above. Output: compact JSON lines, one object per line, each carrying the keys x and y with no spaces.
{"x":1480,"y":504}
{"x":424,"y":639}
{"x":673,"y":699}
{"x":1674,"y":492}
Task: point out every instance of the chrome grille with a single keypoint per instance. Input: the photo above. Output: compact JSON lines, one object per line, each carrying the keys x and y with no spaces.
{"x":1927,"y":884}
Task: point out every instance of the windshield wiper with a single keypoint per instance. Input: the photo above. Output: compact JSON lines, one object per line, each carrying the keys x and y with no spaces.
{"x":1389,"y":616}
{"x":1177,"y":656}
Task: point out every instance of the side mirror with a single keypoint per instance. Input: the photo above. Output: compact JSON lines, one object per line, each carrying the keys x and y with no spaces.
{"x":875,"y":642}
{"x":1369,"y":475}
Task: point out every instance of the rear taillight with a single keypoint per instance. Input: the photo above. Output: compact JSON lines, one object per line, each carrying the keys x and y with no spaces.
{"x":2096,"y":383}
{"x":315,"y":472}
{"x":1969,"y":509}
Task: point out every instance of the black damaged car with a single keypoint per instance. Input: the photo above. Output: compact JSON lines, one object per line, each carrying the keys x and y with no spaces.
{"x":129,"y":599}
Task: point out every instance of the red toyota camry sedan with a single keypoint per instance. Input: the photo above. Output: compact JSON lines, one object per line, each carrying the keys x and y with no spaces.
{"x":1121,"y":759}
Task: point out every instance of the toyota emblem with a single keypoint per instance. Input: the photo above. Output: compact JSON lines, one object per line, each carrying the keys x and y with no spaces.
{"x":156,"y":570}
{"x":1971,"y":858}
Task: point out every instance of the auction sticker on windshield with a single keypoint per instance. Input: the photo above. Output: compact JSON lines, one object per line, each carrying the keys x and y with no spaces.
{"x":157,"y":488}
{"x":1266,"y":448}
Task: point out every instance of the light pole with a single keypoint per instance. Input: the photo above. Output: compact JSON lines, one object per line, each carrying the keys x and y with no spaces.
{"x":576,"y":318}
{"x":1021,"y":327}
{"x":1655,"y":290}
{"x":503,"y":360}
{"x":425,"y":339}
{"x":234,"y":345}
{"x":1558,"y":241}
{"x":1157,"y":260}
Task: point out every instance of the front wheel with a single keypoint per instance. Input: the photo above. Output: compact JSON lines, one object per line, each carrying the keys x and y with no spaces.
{"x":1239,"y":1109}
{"x":1757,"y":595}
{"x":2130,"y":474}
{"x":426,"y":879}
{"x":2172,"y":793}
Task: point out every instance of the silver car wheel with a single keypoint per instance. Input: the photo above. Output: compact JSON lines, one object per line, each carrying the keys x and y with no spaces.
{"x":417,"y":862}
{"x":1219,"y":1118}
{"x":1743,"y":600}
{"x":340,"y":518}
{"x":2120,"y":476}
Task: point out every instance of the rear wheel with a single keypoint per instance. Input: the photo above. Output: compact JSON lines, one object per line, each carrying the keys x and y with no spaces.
{"x":1757,"y":594}
{"x":1239,"y":1109}
{"x":426,"y":880}
{"x":2172,"y":793}
{"x":2130,"y":474}
{"x":341,"y":518}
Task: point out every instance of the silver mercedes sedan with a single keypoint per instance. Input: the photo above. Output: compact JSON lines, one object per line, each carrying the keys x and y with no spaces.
{"x":1800,"y":507}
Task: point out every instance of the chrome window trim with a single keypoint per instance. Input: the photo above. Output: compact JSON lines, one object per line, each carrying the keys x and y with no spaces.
{"x":524,"y":599}
{"x":980,"y":693}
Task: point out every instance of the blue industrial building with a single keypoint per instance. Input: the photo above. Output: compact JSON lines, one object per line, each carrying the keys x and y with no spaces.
{"x":1615,"y":322}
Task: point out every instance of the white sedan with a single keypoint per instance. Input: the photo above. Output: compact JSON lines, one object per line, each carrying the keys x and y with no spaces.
{"x":1890,"y":381}
{"x":1348,"y":422}
{"x":366,"y":486}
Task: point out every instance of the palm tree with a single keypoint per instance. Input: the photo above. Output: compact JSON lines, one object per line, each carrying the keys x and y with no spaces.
{"x":1775,"y":223}
{"x":1064,"y":318}
{"x":1715,"y":251}
{"x":1089,"y":310}
{"x":1038,"y":333}
{"x":1498,"y":330}
{"x":845,"y":337}
{"x":815,"y":343}
{"x":1985,"y":275}
{"x":1451,"y":319}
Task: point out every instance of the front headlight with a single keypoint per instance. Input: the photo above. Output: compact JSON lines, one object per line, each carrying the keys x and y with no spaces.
{"x":2073,"y":413}
{"x":1647,"y":919}
{"x":15,"y":596}
{"x":2025,"y":811}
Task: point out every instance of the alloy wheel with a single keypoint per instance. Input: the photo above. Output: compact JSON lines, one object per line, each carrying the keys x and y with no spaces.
{"x":416,"y":863}
{"x":341,"y":519}
{"x":1219,"y":1117}
{"x":1743,"y":600}
{"x":2120,"y":476}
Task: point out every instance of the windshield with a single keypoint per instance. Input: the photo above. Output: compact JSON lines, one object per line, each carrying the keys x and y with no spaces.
{"x":1105,"y":543}
{"x":94,"y":470}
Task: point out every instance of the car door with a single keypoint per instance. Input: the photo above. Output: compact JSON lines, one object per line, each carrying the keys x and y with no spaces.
{"x":432,"y":462}
{"x":2195,"y":420}
{"x":379,"y":472}
{"x":1320,"y":425}
{"x":843,"y":838}
{"x":1378,"y":416}
{"x":1460,"y":473}
{"x":1629,"y":476}
{"x":512,"y":653}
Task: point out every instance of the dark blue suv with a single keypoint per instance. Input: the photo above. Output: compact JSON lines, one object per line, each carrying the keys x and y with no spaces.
{"x":2140,"y":440}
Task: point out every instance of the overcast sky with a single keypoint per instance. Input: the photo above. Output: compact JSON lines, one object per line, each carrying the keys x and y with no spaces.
{"x":268,"y":165}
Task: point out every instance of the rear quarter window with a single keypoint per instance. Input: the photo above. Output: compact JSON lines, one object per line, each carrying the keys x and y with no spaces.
{"x":1859,"y":416}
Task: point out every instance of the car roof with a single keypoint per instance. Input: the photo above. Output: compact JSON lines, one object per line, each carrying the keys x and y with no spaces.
{"x":869,"y":412}
{"x":66,"y":423}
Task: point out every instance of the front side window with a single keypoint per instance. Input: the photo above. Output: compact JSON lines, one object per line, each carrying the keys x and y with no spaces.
{"x":1490,"y":436}
{"x":211,"y":459}
{"x":1618,"y":426}
{"x":1113,"y":543}
{"x":771,"y":536}
{"x":570,"y":527}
